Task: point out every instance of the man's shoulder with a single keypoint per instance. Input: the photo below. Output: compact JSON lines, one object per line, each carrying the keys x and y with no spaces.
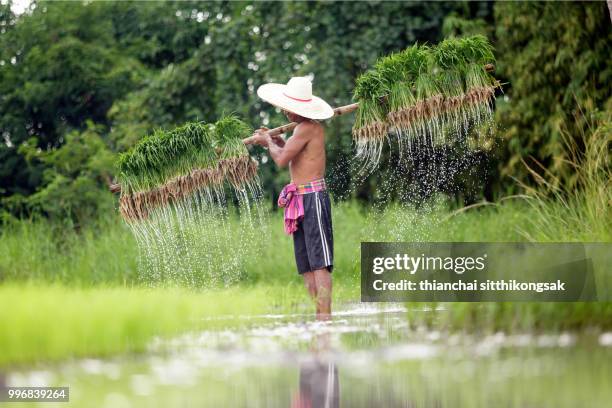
{"x":309,"y":128}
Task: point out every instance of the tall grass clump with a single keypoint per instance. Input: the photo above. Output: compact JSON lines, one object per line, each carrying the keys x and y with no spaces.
{"x":581,"y":211}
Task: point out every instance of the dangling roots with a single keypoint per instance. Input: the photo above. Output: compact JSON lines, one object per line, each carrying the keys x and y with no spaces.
{"x":237,"y":170}
{"x":369,"y":140}
{"x":473,"y":104}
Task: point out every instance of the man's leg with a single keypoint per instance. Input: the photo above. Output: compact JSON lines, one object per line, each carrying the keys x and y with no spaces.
{"x":323,"y":284}
{"x":311,"y":286}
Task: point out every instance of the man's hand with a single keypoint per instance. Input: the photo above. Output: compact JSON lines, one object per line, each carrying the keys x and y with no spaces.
{"x":260,"y":137}
{"x":278,"y":140}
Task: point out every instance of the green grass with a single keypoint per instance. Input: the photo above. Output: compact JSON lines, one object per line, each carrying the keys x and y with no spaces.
{"x":75,"y":294}
{"x":107,"y":253}
{"x":51,"y":322}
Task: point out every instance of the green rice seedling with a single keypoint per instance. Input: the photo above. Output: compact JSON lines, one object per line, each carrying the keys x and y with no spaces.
{"x":402,"y":96}
{"x":409,"y":63}
{"x":479,"y":84}
{"x":370,"y":128}
{"x":395,"y":83}
{"x":429,"y":99}
{"x":451,"y":117}
{"x":467,"y":87}
{"x":477,"y":49}
{"x":393,"y":78}
{"x":235,"y":163}
{"x":450,"y":64}
{"x":229,"y":133}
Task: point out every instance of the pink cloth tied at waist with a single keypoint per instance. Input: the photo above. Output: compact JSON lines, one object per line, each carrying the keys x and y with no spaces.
{"x":291,"y":200}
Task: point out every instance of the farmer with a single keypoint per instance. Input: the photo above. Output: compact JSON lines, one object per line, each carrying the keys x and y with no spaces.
{"x":305,"y":199}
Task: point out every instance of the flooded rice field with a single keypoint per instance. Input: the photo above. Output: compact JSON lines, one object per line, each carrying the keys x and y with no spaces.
{"x":365,"y":356}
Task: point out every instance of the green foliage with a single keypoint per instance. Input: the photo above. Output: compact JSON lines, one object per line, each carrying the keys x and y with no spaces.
{"x":59,"y":74}
{"x":74,"y":179}
{"x":455,"y":25}
{"x":556,"y":58}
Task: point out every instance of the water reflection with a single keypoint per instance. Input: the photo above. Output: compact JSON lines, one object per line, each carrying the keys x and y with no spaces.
{"x":318,"y":378}
{"x":363,"y":357}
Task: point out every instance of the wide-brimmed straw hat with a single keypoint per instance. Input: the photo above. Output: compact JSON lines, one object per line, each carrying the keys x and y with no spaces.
{"x":296,"y":96}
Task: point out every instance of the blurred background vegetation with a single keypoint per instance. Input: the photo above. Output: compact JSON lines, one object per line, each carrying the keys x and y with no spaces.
{"x":81,"y":82}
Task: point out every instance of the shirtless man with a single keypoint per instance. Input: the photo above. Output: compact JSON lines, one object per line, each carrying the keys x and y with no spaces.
{"x":305,"y":199}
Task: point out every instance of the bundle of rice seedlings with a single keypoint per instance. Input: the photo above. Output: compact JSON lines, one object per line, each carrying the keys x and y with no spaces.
{"x":166,"y":167}
{"x":235,"y":162}
{"x":407,"y":66}
{"x":424,"y":94}
{"x":370,"y":128}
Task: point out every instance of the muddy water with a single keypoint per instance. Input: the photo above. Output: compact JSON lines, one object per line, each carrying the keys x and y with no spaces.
{"x":364,"y":357}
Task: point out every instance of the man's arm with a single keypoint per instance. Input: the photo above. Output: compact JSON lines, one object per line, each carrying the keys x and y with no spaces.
{"x":282,"y":155}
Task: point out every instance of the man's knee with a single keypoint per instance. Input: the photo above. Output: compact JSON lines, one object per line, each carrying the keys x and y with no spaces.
{"x":322,"y":276}
{"x":310,"y":285}
{"x":309,"y":281}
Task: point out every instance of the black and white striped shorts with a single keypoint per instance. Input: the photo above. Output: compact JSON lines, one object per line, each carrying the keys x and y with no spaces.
{"x":313,"y":242}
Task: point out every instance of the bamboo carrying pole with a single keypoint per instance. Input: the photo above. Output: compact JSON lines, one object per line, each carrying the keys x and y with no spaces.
{"x":341,"y":110}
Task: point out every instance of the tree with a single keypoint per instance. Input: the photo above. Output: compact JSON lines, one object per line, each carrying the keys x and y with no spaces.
{"x":557,"y":60}
{"x":58,"y":69}
{"x":75,"y":177}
